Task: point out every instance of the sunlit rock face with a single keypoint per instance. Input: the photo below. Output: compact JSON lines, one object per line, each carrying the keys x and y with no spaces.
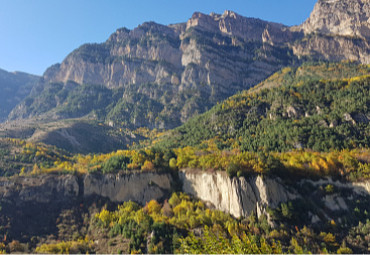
{"x":238,"y":196}
{"x":336,"y":17}
{"x":168,"y":74}
{"x":337,"y":30}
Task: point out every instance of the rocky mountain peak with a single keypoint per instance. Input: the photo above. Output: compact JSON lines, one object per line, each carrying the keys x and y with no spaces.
{"x":230,"y":14}
{"x":145,"y":29}
{"x":340,"y":17}
{"x":169,"y":73}
{"x":232,"y":24}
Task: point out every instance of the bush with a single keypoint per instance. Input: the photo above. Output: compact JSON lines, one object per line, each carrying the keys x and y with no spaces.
{"x":232,"y":170}
{"x":148,"y":166}
{"x":115,"y":163}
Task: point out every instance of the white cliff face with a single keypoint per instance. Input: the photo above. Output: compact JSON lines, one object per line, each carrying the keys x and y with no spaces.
{"x":240,"y":196}
{"x":362,"y":187}
{"x":237,"y":196}
{"x":138,"y":187}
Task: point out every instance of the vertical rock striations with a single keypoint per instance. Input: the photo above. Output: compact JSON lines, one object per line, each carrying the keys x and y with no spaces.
{"x":138,"y":187}
{"x":238,"y":196}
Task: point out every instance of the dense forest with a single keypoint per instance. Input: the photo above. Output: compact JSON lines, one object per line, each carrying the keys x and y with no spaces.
{"x":320,"y":107}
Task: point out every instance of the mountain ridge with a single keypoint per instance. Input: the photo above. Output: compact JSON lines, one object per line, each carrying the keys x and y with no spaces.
{"x":159,"y":76}
{"x":14,"y":87}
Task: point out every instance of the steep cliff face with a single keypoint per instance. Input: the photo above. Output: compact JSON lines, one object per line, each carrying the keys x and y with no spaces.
{"x":238,"y":196}
{"x":333,"y":48}
{"x":337,"y":17}
{"x":127,"y":57}
{"x":323,"y":199}
{"x":336,"y":30}
{"x":138,"y":187}
{"x":54,"y":205}
{"x":168,"y":73}
{"x":151,"y":53}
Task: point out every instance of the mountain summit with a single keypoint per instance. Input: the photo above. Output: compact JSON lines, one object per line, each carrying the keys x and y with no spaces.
{"x":159,"y":76}
{"x":338,"y":17}
{"x":165,"y":74}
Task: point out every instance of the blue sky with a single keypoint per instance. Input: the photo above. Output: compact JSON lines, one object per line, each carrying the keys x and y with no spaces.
{"x":35,"y":34}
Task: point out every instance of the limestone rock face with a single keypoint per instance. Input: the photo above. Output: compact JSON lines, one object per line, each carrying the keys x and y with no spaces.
{"x":338,"y":17}
{"x":151,"y":53}
{"x":138,"y":187}
{"x":336,"y":30}
{"x":333,"y":48}
{"x":248,"y":29}
{"x":181,"y":69}
{"x":238,"y":196}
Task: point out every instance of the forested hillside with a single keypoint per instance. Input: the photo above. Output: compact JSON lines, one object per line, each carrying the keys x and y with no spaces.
{"x":315,"y":106}
{"x":14,"y":87}
{"x":306,"y":127}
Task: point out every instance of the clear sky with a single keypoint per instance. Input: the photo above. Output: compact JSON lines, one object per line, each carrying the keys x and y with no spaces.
{"x":35,"y":34}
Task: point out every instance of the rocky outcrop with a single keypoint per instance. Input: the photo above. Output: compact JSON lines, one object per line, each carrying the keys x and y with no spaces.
{"x":337,"y":17}
{"x":238,"y":196}
{"x":138,"y":187}
{"x":151,"y":52}
{"x":247,"y":29}
{"x":332,"y":48}
{"x":336,"y":30}
{"x":181,"y":69}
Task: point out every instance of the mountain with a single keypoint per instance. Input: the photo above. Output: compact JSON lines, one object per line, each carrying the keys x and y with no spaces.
{"x":14,"y":87}
{"x":166,"y":73}
{"x":158,"y":76}
{"x":315,"y":106}
{"x":336,"y":30}
{"x":340,"y":18}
